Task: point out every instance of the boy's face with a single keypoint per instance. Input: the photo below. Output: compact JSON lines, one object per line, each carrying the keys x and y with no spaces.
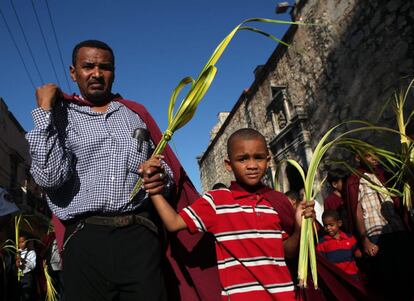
{"x":331,"y":226}
{"x":293,"y":202}
{"x":337,"y":185}
{"x":248,"y":160}
{"x":301,"y":194}
{"x":22,"y":242}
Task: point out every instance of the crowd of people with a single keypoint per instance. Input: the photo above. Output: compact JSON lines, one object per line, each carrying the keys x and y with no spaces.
{"x":87,"y":157}
{"x":22,"y":271}
{"x":366,"y":232}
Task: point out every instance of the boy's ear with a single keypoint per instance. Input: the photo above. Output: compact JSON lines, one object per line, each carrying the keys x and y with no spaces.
{"x":227,"y":164}
{"x":339,"y":222}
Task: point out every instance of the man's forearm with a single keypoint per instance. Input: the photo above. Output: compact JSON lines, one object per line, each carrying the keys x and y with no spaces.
{"x":51,"y":163}
{"x":360,"y":223}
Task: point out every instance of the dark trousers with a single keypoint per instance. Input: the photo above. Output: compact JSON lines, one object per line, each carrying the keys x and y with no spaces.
{"x":108,"y":263}
{"x":26,"y":287}
{"x":57,"y":278}
{"x":389,"y":272}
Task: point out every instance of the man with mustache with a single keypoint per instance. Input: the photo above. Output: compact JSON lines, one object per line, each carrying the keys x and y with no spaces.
{"x":86,"y":157}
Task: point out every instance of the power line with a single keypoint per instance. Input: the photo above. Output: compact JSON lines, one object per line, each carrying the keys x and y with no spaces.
{"x":58,"y":46}
{"x":27,"y":43}
{"x":44,"y":42}
{"x":18,"y":50}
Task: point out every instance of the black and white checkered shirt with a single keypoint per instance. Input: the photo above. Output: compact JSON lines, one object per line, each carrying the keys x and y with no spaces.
{"x":87,"y":161}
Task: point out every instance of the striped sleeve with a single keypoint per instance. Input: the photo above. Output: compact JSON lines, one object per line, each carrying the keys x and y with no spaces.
{"x":201,"y":215}
{"x":284,"y":235}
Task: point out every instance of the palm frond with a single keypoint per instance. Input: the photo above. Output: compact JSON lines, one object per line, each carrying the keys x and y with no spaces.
{"x":51,"y":293}
{"x":200,"y":86}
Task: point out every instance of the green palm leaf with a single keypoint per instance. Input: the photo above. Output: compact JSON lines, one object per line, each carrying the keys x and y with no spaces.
{"x":200,"y":86}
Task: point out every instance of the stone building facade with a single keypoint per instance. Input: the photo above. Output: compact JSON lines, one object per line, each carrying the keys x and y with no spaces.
{"x":14,"y":152}
{"x":345,"y":67}
{"x":15,"y":162}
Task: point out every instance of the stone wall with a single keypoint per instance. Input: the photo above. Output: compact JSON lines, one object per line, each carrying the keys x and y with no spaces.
{"x":14,"y":153}
{"x":345,"y":67}
{"x":212,"y":168}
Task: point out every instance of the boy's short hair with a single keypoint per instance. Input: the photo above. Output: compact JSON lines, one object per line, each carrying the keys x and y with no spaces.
{"x":91,"y":44}
{"x":331,"y":213}
{"x":335,"y":175}
{"x":218,"y":186}
{"x":292,"y":195}
{"x":244,"y":134}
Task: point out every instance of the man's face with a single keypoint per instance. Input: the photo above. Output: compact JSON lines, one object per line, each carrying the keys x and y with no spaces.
{"x":248,"y":161}
{"x":94,"y":73}
{"x":369,"y":159}
{"x":331,"y":226}
{"x":372,"y":160}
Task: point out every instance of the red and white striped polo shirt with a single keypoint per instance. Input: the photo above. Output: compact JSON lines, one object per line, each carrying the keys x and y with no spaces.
{"x":249,"y":243}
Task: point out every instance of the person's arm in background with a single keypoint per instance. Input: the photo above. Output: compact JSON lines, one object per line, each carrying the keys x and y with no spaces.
{"x":369,"y":248}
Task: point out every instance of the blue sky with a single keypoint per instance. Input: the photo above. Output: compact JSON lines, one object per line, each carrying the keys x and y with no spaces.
{"x":156,"y":44}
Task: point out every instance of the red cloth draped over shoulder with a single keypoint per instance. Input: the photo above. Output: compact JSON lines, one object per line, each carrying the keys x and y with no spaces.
{"x":334,"y":283}
{"x":191,"y":272}
{"x":333,"y":202}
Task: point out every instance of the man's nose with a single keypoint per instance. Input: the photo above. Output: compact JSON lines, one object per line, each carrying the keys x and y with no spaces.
{"x":97,"y":72}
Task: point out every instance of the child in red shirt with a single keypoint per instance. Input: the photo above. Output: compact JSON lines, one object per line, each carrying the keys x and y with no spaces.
{"x":251,"y":244}
{"x":338,"y":247}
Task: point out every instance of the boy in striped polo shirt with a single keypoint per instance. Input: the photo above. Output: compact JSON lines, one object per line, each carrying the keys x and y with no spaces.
{"x":250,"y":243}
{"x":338,"y":247}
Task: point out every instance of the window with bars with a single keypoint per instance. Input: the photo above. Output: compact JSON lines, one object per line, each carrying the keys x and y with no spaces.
{"x":279,"y":109}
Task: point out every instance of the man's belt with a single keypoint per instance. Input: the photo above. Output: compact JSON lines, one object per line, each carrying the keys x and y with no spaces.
{"x":121,"y":221}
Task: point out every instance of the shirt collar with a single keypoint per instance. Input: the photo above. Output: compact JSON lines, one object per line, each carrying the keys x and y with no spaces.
{"x":239,"y":192}
{"x":113,"y":106}
{"x":342,"y":236}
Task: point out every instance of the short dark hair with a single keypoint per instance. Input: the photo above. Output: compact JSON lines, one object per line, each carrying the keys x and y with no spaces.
{"x":331,"y":213}
{"x":292,"y":195}
{"x":335,"y":175}
{"x":91,"y":44}
{"x":25,"y":236}
{"x":244,"y":134}
{"x":219,"y":186}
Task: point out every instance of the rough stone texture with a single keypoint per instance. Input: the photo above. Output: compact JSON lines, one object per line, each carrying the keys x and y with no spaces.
{"x":14,"y":153}
{"x":344,"y":68}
